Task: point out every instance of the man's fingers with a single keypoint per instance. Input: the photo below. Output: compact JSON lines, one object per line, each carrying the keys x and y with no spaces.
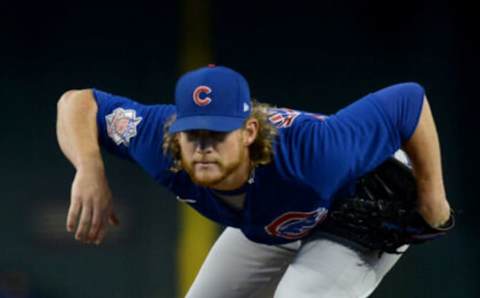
{"x":113,"y":219}
{"x":84,"y":223}
{"x":97,"y":223}
{"x":101,"y":233}
{"x":72,"y":217}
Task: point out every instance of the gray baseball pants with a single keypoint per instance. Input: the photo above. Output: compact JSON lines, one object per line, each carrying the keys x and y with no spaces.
{"x":320,"y":266}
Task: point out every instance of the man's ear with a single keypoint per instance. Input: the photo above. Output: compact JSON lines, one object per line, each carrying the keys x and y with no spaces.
{"x":250,"y":131}
{"x":176,"y":137}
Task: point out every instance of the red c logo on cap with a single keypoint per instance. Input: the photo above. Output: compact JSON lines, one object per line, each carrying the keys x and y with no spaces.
{"x":196,"y":95}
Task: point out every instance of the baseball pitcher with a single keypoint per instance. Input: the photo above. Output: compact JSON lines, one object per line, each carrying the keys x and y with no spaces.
{"x":314,"y":205}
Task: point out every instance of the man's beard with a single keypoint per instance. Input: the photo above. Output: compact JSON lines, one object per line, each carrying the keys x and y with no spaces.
{"x":224,"y":171}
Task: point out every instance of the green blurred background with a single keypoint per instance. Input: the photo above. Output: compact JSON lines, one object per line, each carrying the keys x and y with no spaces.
{"x":318,"y":57}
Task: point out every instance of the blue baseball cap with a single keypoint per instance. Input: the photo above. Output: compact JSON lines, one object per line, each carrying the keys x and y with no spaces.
{"x":213,"y":98}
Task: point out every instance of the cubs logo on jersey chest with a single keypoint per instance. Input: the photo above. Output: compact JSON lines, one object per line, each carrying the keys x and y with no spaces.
{"x":294,"y":225}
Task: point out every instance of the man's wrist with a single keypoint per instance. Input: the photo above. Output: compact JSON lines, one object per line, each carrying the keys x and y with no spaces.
{"x":93,"y":162}
{"x":434,"y":208}
{"x":449,"y":223}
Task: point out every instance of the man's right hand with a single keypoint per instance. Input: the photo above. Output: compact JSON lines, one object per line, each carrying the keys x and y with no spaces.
{"x":91,"y":208}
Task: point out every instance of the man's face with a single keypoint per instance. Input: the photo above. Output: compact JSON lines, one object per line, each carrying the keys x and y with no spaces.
{"x":210,"y":157}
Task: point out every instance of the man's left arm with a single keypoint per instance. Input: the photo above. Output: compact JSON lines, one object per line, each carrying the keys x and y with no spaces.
{"x":423,"y":148}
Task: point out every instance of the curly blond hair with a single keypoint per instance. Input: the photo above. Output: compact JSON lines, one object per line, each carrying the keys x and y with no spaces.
{"x":261,"y":150}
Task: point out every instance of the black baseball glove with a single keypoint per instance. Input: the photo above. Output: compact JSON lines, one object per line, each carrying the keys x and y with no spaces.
{"x":382,"y":215}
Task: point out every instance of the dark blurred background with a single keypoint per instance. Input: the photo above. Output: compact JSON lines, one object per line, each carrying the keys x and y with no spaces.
{"x":316,"y":57}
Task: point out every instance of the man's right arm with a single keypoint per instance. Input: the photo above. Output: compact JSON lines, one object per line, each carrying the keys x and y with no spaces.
{"x":91,"y":199}
{"x":77,"y":127}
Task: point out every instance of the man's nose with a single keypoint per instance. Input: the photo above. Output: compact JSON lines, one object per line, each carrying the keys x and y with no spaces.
{"x":204,"y":144}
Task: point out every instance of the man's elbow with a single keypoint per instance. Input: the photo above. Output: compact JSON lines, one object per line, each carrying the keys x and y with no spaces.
{"x":78,"y":97}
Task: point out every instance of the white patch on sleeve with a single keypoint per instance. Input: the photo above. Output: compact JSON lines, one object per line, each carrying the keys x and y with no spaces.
{"x":122,"y":125}
{"x":282,"y":117}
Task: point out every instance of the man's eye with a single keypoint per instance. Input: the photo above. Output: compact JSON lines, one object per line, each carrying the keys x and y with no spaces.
{"x":219,"y":136}
{"x":191,"y":136}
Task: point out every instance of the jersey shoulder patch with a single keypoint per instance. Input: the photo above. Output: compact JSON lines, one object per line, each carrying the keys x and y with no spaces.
{"x":122,"y":125}
{"x":282,"y":117}
{"x":285,"y":117}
